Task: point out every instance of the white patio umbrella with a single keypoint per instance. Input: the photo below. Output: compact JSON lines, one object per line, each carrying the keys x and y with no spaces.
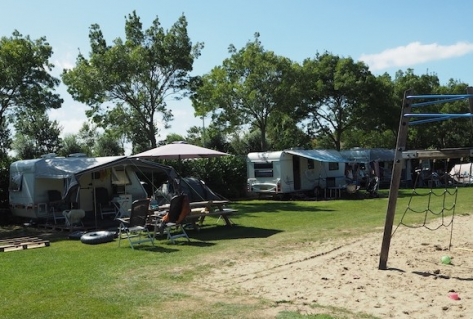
{"x":178,"y":151}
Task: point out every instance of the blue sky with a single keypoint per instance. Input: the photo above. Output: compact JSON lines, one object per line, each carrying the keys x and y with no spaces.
{"x":429,"y":36}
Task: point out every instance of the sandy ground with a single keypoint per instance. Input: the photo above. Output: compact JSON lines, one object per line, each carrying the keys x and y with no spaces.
{"x":345,"y":274}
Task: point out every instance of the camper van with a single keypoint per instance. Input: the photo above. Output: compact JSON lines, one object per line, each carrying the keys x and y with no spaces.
{"x":77,"y":178}
{"x":294,"y":171}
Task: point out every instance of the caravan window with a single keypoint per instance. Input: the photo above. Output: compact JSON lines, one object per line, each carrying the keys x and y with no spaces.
{"x":15,"y":182}
{"x":333,"y":166}
{"x":119,"y":176}
{"x":263,"y":169}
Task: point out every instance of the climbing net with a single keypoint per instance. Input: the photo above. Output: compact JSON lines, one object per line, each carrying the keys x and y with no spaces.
{"x":425,"y":205}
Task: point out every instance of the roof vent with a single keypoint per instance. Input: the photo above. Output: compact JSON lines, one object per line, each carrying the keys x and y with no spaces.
{"x":77,"y":155}
{"x":49,"y":155}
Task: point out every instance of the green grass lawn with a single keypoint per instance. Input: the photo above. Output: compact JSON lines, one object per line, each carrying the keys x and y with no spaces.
{"x":73,"y":280}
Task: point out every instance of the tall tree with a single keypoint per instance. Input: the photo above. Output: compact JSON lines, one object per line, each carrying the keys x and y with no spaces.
{"x":455,"y":132}
{"x":36,"y":135}
{"x":376,"y":123}
{"x":335,"y":91}
{"x":285,"y":133}
{"x":419,"y":136}
{"x":72,"y":145}
{"x":136,"y":75}
{"x":107,"y":145}
{"x":25,"y":82}
{"x":248,"y":87}
{"x":5,"y":141}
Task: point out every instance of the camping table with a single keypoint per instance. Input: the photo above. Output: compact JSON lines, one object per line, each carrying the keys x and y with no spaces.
{"x":199,"y":211}
{"x":209,"y":203}
{"x":199,"y":216}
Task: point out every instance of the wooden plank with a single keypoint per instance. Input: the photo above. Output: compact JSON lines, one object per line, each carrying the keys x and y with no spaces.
{"x":22,"y":243}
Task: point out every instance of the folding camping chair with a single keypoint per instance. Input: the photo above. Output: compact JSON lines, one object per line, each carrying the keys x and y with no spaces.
{"x":103,"y":203}
{"x":56,"y":205}
{"x":74,"y":217}
{"x":172,"y":222}
{"x":135,"y":227}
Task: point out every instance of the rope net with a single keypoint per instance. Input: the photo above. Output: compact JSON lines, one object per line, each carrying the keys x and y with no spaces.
{"x":427,"y":205}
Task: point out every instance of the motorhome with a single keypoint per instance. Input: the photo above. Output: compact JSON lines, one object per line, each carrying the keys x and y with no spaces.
{"x":295,"y":171}
{"x":76,"y":178}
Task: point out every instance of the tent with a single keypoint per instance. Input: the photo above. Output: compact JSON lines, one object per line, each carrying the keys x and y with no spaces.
{"x":195,"y":188}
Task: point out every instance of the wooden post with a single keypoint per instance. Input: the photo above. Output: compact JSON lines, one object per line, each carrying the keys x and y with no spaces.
{"x":395,"y":180}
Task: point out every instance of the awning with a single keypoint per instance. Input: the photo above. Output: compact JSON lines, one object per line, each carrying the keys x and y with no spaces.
{"x":366,"y":155}
{"x":72,"y":168}
{"x":331,"y":156}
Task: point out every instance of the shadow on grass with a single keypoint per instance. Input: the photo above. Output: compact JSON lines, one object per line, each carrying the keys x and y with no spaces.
{"x":234,"y":232}
{"x":275,"y":207}
{"x":158,"y":248}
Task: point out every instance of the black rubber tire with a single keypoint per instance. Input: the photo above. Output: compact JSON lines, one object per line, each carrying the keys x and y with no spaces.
{"x":77,"y":235}
{"x":97,"y":237}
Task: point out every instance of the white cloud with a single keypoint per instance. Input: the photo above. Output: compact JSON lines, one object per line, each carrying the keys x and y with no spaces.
{"x":70,"y":117}
{"x":414,"y":53}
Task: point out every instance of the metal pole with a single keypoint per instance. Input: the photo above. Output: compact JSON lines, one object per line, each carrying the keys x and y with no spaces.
{"x":395,"y":181}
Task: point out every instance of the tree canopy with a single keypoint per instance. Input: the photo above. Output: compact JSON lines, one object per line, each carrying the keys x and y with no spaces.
{"x":246,"y":89}
{"x":25,"y":82}
{"x":127,"y":84}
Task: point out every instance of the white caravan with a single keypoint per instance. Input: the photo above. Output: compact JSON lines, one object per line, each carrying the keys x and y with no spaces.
{"x":294,"y":171}
{"x":76,"y":178}
{"x":462,"y":173}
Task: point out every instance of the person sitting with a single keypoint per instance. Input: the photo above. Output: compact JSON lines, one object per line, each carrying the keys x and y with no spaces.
{"x":373,"y":185}
{"x":349,"y":174}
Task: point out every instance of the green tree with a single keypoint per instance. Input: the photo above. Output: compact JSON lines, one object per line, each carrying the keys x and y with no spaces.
{"x":25,"y":82}
{"x":419,"y":136}
{"x":5,"y":140}
{"x":173,"y":137}
{"x":284,"y":132}
{"x":71,"y":145}
{"x":36,"y":135}
{"x":376,"y":123}
{"x":87,"y":137}
{"x":244,"y":143}
{"x":454,"y":132}
{"x":107,"y":145}
{"x":336,"y":94}
{"x":136,"y":76}
{"x":248,"y":87}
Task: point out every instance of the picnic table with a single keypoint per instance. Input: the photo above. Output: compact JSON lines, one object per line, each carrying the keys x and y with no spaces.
{"x":197,"y":216}
{"x":199,"y":211}
{"x":202,"y":204}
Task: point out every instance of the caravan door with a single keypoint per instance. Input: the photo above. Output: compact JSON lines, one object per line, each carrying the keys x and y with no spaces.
{"x":86,"y":199}
{"x":296,"y":173}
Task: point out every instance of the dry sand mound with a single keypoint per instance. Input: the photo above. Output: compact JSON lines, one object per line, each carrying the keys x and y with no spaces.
{"x":345,"y":274}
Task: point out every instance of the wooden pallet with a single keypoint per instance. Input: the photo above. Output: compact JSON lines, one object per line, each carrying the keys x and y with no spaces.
{"x":21,"y":243}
